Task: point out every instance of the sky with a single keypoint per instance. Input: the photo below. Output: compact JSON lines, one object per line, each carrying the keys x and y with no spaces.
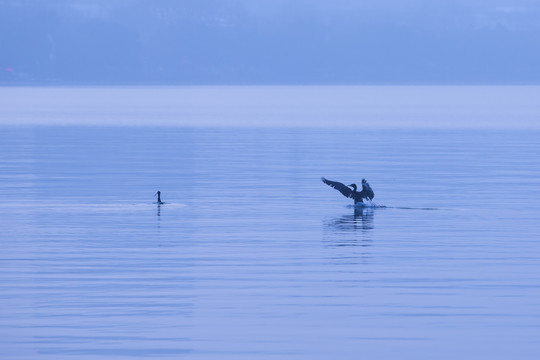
{"x":271,"y":42}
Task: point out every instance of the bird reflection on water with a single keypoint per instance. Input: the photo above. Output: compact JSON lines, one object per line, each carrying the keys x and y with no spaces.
{"x":351,"y":230}
{"x":362,"y":219}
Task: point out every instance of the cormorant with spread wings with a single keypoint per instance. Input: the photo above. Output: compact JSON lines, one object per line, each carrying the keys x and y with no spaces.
{"x":366,"y":193}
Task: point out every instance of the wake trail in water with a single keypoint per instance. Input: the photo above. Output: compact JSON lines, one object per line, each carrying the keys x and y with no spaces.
{"x":372,"y":205}
{"x":112,"y":207}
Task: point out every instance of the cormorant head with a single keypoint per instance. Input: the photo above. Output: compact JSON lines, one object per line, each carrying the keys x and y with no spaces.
{"x":364,"y":181}
{"x":353,"y":186}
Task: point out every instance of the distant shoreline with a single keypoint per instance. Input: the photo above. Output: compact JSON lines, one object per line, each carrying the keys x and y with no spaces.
{"x":201,"y":84}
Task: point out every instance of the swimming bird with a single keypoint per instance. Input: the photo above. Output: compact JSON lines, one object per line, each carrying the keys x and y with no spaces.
{"x":366,"y":193}
{"x":159,"y":202}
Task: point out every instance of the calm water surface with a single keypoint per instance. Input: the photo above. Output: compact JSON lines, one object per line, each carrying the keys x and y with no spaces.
{"x":252,"y":256}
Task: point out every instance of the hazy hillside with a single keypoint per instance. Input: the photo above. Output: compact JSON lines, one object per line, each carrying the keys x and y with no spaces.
{"x":268,"y":41}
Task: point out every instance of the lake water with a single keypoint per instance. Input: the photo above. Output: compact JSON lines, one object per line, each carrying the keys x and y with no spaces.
{"x":252,"y":256}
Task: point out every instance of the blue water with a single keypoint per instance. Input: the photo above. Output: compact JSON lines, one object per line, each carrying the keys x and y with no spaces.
{"x":252,"y":256}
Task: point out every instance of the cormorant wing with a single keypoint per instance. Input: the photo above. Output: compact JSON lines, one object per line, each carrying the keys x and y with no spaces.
{"x":342,"y":188}
{"x":367,"y":191}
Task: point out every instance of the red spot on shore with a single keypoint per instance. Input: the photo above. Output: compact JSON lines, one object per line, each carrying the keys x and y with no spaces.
{"x":9,"y":69}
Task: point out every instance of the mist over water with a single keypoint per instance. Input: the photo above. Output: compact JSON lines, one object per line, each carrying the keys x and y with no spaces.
{"x":363,"y":107}
{"x":252,"y":256}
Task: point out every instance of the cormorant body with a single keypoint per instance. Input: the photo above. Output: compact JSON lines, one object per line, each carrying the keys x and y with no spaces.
{"x":159,"y":198}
